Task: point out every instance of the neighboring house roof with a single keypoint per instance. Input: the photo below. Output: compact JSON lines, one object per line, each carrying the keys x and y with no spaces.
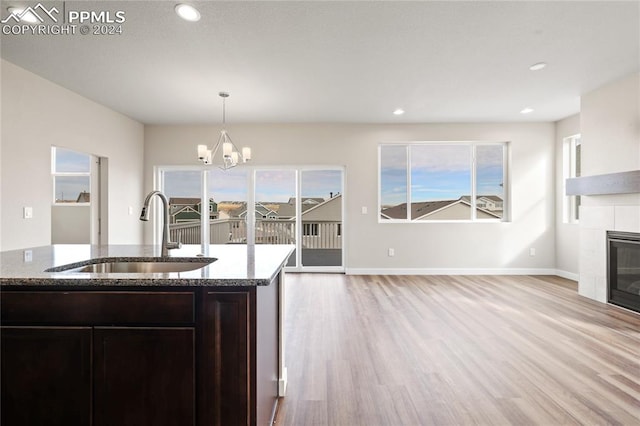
{"x":286,"y":210}
{"x":84,"y":197}
{"x":184,"y":201}
{"x":187,"y":201}
{"x":417,"y":209}
{"x":317,"y":207}
{"x":306,"y":200}
{"x":185,"y":209}
{"x":493,"y":198}
{"x":261,"y":211}
{"x":281,"y":210}
{"x":421,"y":210}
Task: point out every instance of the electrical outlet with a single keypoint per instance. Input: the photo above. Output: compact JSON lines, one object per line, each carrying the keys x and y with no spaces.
{"x":365,"y":210}
{"x":28,"y":256}
{"x":532,"y":251}
{"x":391,"y":252}
{"x":130,"y":210}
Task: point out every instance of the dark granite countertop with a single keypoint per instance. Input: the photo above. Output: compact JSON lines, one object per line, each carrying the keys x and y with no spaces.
{"x":235,"y":265}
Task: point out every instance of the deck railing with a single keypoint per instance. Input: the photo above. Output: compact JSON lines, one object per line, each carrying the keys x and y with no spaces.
{"x":326,"y":234}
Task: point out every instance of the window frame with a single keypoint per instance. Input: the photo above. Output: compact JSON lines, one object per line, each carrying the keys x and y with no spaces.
{"x":506,"y":157}
{"x":55,"y":173}
{"x":570,"y":203}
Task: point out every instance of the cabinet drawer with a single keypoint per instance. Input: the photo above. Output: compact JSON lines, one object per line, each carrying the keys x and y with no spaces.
{"x":94,"y":307}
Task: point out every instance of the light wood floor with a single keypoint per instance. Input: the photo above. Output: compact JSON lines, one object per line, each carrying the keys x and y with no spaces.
{"x":456,"y":350}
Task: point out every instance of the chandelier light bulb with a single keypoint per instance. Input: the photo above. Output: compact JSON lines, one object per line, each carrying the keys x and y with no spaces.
{"x":227,"y":149}
{"x":202,"y":152}
{"x":246,"y":153}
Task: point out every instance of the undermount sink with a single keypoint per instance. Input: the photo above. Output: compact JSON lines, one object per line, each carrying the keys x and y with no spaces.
{"x":156,"y":265}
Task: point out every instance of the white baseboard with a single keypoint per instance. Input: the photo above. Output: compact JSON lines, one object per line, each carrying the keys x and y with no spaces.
{"x":282,"y":383}
{"x":455,"y":271}
{"x":568,"y":275}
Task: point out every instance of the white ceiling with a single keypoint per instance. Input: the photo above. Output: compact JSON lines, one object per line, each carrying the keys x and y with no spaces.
{"x":328,"y":61}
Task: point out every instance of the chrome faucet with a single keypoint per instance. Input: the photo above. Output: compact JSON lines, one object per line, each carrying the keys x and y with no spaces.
{"x":144,"y":216}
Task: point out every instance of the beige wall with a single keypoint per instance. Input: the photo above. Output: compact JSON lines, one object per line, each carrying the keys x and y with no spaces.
{"x":418,"y":247}
{"x":37,"y":114}
{"x":567,"y":234}
{"x":609,"y":120}
{"x":610,"y":127}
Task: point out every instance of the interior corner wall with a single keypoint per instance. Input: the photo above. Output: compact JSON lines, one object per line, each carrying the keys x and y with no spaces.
{"x":37,"y":114}
{"x":567,"y":234}
{"x":419,"y":247}
{"x":610,"y":128}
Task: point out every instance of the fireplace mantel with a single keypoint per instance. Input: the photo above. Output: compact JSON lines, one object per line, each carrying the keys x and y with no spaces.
{"x":611,"y":183}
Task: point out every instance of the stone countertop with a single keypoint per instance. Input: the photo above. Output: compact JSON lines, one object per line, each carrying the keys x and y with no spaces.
{"x":235,"y":265}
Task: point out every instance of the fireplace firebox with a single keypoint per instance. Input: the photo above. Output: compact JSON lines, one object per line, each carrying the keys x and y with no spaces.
{"x":623,"y":269}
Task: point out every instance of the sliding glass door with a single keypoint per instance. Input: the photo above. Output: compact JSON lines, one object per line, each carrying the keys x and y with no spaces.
{"x":293,"y":205}
{"x":321,"y":218}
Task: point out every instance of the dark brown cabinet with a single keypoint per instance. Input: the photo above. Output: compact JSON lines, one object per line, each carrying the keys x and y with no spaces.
{"x":225,"y":358}
{"x":144,"y":376}
{"x":46,"y":376}
{"x":171,"y":356}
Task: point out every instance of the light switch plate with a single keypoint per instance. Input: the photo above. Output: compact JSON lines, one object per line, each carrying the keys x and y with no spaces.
{"x":27,"y":212}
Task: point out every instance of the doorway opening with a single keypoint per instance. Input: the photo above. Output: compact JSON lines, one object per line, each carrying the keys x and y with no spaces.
{"x":301,"y":206}
{"x":79,"y":201}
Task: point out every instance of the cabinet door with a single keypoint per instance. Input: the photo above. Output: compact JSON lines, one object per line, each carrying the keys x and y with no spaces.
{"x":46,"y":376}
{"x":144,"y":376}
{"x":225,"y":360}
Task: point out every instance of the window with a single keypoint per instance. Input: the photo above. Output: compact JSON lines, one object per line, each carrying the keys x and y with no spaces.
{"x":442,"y":181}
{"x":71,"y":173}
{"x":310,"y":229}
{"x":572,"y":149}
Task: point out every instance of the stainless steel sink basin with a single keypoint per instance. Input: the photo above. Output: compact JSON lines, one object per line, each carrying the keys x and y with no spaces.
{"x":159,"y":265}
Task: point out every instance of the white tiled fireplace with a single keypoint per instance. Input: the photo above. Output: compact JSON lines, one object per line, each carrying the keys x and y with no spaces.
{"x":595,"y":221}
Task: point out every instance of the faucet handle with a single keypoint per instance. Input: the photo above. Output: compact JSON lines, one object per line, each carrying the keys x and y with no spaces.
{"x":175,"y":244}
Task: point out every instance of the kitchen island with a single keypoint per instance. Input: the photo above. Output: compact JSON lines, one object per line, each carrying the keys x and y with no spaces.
{"x":196,"y":347}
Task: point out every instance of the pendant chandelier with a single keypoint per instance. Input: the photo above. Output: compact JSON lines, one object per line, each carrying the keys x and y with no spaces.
{"x":231,"y":155}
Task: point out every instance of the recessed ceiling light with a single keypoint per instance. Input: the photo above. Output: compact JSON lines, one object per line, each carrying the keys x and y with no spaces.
{"x":398,"y":111}
{"x":27,"y":17}
{"x":527,"y":110}
{"x":538,"y":66}
{"x":187,"y":12}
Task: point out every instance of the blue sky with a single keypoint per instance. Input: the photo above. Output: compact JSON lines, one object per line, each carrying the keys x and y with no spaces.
{"x":271,"y":185}
{"x":71,"y":162}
